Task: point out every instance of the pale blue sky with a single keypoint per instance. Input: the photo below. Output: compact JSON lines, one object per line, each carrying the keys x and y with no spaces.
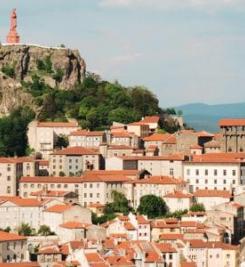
{"x":183,"y":50}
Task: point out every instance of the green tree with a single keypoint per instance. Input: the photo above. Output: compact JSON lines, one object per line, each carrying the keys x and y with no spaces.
{"x":152,"y":206}
{"x":25,"y":230}
{"x":44,"y":230}
{"x":61,"y":142}
{"x":197,"y":207}
{"x":119,"y":204}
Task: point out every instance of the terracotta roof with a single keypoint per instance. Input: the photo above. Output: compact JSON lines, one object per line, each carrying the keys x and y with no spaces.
{"x":170,"y":236}
{"x":165,"y":248}
{"x":174,"y":157}
{"x":75,"y":151}
{"x":55,"y":124}
{"x":4,"y":236}
{"x":159,"y":180}
{"x":188,"y":264}
{"x":120,"y":134}
{"x":50,"y":193}
{"x":195,"y":147}
{"x":159,"y":137}
{"x":217,"y":158}
{"x":212,"y":144}
{"x":115,"y":260}
{"x":151,"y":119}
{"x":58,"y":208}
{"x":49,"y":250}
{"x":142,"y":220}
{"x":23,"y":202}
{"x":178,"y":194}
{"x":74,"y":225}
{"x":20,"y":264}
{"x":87,"y":133}
{"x":94,"y":258}
{"x":204,"y":134}
{"x":128,"y":226}
{"x":212,"y":193}
{"x":15,"y":160}
{"x":120,"y":147}
{"x":50,"y":179}
{"x":201,"y":244}
{"x":231,"y":122}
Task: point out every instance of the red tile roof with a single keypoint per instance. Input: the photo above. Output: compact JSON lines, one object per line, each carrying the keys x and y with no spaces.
{"x":58,"y":208}
{"x":212,"y":193}
{"x":123,"y":134}
{"x":142,"y":220}
{"x":218,"y":158}
{"x":165,"y":248}
{"x":171,"y":236}
{"x":76,"y":151}
{"x":20,"y":264}
{"x":178,"y":194}
{"x":151,"y":119}
{"x":159,"y":180}
{"x":55,"y":124}
{"x":128,"y":226}
{"x":4,"y":236}
{"x":231,"y":122}
{"x":174,"y":157}
{"x":74,"y":225}
{"x":87,"y":133}
{"x":212,"y":144}
{"x":202,"y":244}
{"x":204,"y":134}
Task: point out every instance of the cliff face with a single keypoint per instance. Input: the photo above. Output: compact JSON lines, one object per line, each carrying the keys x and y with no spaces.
{"x":58,"y":67}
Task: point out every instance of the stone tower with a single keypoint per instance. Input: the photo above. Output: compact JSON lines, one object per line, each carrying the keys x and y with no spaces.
{"x":13,"y":37}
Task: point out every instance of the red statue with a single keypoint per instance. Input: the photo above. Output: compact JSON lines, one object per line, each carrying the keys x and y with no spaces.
{"x":13,"y":37}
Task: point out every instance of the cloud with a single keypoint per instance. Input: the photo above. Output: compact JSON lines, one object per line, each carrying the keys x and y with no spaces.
{"x":168,"y":4}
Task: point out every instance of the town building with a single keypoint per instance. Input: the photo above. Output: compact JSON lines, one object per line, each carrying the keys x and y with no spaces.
{"x":42,"y":136}
{"x":73,"y":161}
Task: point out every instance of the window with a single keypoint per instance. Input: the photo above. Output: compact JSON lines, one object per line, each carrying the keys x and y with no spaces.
{"x":206,"y":181}
{"x":98,"y":185}
{"x":85,"y":195}
{"x":224,"y":172}
{"x":171,"y":172}
{"x":234,"y":172}
{"x":91,"y":185}
{"x":65,"y":185}
{"x":206,"y":172}
{"x":224,"y":181}
{"x":98,"y":195}
{"x":215,"y":181}
{"x":215,"y":172}
{"x":197,"y":181}
{"x":85,"y":185}
{"x":90,"y":195}
{"x":197,"y":172}
{"x":188,"y":172}
{"x":234,"y":181}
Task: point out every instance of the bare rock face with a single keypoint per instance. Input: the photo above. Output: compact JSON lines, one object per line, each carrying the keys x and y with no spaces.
{"x":26,"y":60}
{"x":57,"y":67}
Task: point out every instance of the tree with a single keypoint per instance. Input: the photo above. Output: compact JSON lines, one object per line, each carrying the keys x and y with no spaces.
{"x":152,"y":206}
{"x":25,"y":229}
{"x":44,"y":230}
{"x":197,"y":207}
{"x":61,"y":142}
{"x":119,"y":204}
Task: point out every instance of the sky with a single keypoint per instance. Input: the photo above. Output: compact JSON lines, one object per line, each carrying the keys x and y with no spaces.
{"x":184,"y":51}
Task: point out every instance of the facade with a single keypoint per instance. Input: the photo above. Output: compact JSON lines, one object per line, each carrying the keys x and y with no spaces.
{"x":178,"y":200}
{"x":211,"y":198}
{"x":217,"y":171}
{"x":73,"y":161}
{"x":124,"y":138}
{"x":233,"y":131}
{"x":169,"y":165}
{"x":13,"y":247}
{"x":86,"y":138}
{"x":43,"y":135}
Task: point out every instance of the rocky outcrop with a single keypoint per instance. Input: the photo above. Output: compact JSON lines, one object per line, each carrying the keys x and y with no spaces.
{"x":26,"y":60}
{"x":57,"y":67}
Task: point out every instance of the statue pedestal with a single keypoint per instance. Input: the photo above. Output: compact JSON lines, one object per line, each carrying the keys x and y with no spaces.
{"x":13,"y":38}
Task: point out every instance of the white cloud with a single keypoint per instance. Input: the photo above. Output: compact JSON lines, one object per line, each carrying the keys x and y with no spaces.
{"x":166,"y":4}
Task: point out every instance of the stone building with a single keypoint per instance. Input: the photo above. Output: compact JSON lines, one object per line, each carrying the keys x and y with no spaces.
{"x":233,"y":131}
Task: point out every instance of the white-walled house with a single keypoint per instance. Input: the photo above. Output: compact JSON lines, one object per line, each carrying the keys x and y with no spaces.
{"x":211,"y":198}
{"x":178,"y":200}
{"x":217,"y":171}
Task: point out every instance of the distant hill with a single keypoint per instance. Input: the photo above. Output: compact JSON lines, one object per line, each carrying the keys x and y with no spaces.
{"x":202,"y":116}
